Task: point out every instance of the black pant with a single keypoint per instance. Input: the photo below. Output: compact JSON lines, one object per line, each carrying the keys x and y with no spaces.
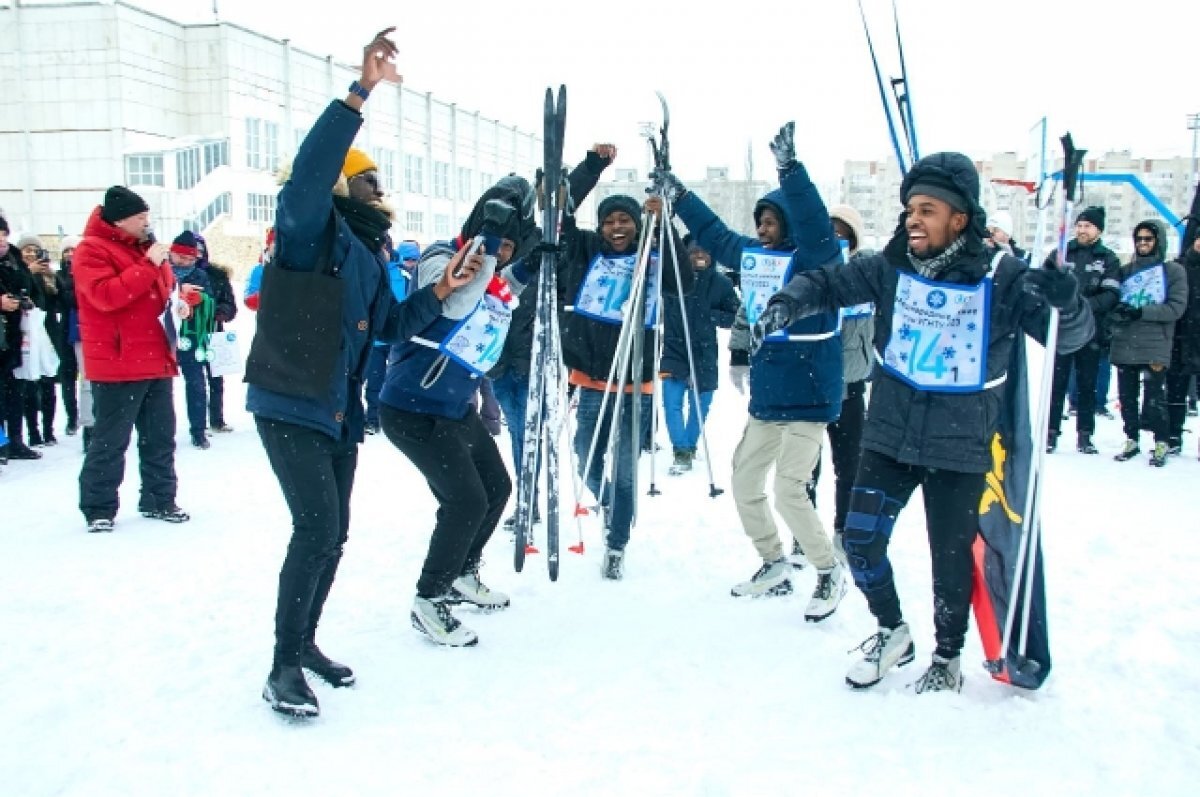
{"x":952,"y":520}
{"x":12,"y":405}
{"x":316,"y":474}
{"x":1086,"y":362}
{"x":462,"y":465}
{"x":216,"y":398}
{"x":845,"y":448}
{"x":119,"y":407}
{"x":1178,"y":384}
{"x":40,"y":399}
{"x":68,"y":377}
{"x":1135,"y":379}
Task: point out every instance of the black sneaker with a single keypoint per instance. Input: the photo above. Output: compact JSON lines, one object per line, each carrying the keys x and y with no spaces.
{"x":171,"y":514}
{"x":614,"y":565}
{"x":1084,"y":446}
{"x":288,"y":692}
{"x":325,"y":668}
{"x":201,"y":441}
{"x":1174,"y":447}
{"x":22,"y":451}
{"x":72,"y":428}
{"x":100,"y":525}
{"x":221,"y":426}
{"x":48,"y":439}
{"x":35,"y":438}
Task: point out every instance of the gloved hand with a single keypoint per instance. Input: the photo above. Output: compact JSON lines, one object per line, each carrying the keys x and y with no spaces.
{"x":1056,"y":286}
{"x":192,"y":294}
{"x":666,"y":184}
{"x":1125,"y":313}
{"x":777,"y":316}
{"x":783,"y":147}
{"x":740,"y":376}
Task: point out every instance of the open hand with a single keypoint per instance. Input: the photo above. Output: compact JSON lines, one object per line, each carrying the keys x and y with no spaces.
{"x":379,"y":60}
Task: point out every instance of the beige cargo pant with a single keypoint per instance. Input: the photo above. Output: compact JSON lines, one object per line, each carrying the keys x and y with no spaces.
{"x":793,"y":448}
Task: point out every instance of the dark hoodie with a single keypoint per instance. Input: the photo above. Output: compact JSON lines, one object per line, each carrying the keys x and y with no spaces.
{"x":1148,"y":340}
{"x":1098,"y":270}
{"x":1185,"y":357}
{"x":589,"y":346}
{"x":791,"y":380}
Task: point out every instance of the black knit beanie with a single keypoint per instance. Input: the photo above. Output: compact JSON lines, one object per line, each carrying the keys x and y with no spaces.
{"x":121,"y":203}
{"x":1095,"y":214}
{"x":621,"y":202}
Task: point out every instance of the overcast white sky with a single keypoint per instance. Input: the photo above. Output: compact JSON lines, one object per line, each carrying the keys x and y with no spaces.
{"x":1118,"y":75}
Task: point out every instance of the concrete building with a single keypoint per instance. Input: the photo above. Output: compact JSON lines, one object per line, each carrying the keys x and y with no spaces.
{"x":732,"y":200}
{"x":199,"y":118}
{"x":873,"y":188}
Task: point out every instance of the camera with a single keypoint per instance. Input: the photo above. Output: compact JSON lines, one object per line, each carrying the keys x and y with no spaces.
{"x":497,"y":214}
{"x":26,"y":302}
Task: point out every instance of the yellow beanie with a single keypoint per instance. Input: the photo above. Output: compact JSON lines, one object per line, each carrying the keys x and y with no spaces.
{"x":356,"y":163}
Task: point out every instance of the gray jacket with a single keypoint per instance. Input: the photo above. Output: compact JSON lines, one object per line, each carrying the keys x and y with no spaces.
{"x":1148,"y":340}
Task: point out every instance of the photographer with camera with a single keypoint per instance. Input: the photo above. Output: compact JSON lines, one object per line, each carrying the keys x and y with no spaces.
{"x":18,"y":292}
{"x":42,"y":355}
{"x":426,"y":407}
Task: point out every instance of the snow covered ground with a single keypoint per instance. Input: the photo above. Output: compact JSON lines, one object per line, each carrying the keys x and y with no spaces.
{"x":133,"y":661}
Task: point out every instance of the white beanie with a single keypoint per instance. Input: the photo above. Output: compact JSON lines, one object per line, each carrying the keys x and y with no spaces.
{"x":69,"y":242}
{"x":1001,"y":220}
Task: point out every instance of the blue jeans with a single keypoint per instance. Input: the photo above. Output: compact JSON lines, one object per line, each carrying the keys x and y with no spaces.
{"x":618,"y":498}
{"x":512,"y":393}
{"x":376,"y":372}
{"x":683,"y":434}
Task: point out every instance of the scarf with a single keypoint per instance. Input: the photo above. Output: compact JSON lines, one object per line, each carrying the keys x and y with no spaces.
{"x":369,"y":224}
{"x":932,"y":267}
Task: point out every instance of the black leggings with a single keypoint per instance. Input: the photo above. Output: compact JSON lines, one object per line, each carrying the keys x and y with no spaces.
{"x":316,"y":474}
{"x":845,"y":448}
{"x":882,"y":489}
{"x":462,"y":465}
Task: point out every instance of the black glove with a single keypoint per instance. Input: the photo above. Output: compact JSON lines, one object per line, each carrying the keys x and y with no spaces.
{"x":1125,"y":313}
{"x":1056,"y":286}
{"x":783,"y":147}
{"x":777,"y":316}
{"x":667,"y":185}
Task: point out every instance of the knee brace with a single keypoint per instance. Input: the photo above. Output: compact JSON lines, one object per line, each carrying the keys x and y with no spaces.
{"x":869,"y":523}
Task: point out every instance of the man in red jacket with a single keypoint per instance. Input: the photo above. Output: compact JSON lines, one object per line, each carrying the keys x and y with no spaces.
{"x":123,"y":282}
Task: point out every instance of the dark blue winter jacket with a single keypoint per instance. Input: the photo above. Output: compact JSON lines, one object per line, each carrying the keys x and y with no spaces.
{"x":789,"y":380}
{"x":306,"y":225}
{"x":712,"y":303}
{"x":420,"y":378}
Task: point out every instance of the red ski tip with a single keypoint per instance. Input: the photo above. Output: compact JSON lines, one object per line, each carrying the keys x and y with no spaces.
{"x":581,"y":510}
{"x":577,"y":549}
{"x":529,"y":549}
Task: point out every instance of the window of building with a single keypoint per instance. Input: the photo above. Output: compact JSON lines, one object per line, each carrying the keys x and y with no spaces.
{"x":144,"y":170}
{"x":261,"y":208}
{"x":414,"y":221}
{"x":464,"y":184}
{"x":216,"y":153}
{"x":385,"y":160}
{"x":414,"y":174}
{"x":441,"y":225}
{"x":441,"y":180}
{"x":187,"y":167}
{"x":207,"y":216}
{"x":262,"y":145}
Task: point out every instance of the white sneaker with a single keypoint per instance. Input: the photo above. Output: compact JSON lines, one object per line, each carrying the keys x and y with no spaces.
{"x":887,"y":648}
{"x":943,"y":675}
{"x":831,"y":587}
{"x":468,"y":588}
{"x":432,"y":618}
{"x":771,"y":579}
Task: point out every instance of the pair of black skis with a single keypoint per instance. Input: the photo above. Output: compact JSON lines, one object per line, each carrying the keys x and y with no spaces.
{"x":544,"y":407}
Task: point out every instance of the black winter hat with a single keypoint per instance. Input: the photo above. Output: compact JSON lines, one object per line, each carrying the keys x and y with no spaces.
{"x":622,"y":202}
{"x":4,"y":225}
{"x":948,"y":176}
{"x":1095,"y":214}
{"x":514,"y":191}
{"x":121,"y":203}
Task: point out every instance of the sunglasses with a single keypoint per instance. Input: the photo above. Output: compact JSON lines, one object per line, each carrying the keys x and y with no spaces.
{"x":1145,"y":239}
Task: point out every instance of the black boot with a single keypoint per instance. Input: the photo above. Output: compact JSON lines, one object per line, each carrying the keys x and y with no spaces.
{"x":325,"y":668}
{"x":288,"y":692}
{"x":1084,"y":446}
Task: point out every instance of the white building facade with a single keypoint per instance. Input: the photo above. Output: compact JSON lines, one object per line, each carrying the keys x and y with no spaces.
{"x":199,"y":118}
